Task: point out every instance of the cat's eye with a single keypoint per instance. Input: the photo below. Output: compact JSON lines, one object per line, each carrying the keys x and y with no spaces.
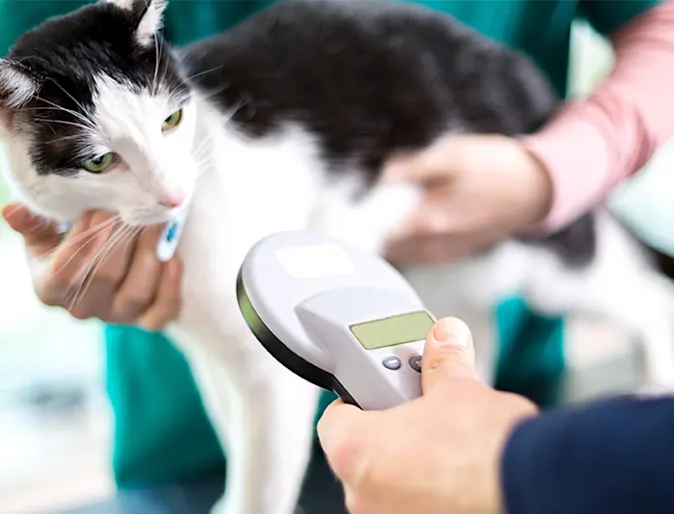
{"x":172,"y":121}
{"x":99,"y":164}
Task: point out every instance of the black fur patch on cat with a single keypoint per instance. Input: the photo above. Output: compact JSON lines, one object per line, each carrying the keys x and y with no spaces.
{"x":575,"y":244}
{"x":369,"y":79}
{"x":403,"y":75}
{"x":65,"y":55}
{"x":664,"y":262}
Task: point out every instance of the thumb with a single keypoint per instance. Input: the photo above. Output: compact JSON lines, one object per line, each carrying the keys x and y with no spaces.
{"x":448,"y":353}
{"x":424,"y":165}
{"x":35,"y":231}
{"x":341,"y":435}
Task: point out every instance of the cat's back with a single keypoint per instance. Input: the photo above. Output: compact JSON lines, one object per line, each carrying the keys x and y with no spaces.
{"x":374,"y":74}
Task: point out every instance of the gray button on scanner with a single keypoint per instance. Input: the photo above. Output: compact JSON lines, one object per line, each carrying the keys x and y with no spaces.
{"x":391,"y":363}
{"x":415,"y":362}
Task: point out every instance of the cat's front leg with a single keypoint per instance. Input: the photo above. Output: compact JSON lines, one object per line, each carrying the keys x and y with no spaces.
{"x":264,"y":418}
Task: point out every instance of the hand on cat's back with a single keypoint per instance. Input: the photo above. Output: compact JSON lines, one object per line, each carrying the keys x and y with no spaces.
{"x":129,"y":286}
{"x":479,"y":189}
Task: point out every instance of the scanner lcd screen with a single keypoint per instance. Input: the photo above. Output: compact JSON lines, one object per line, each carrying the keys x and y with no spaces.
{"x":394,"y":330}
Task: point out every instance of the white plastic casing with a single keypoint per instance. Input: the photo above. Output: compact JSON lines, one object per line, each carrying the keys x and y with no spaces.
{"x":308,"y":289}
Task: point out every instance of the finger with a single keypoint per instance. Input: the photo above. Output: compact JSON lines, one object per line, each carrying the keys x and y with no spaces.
{"x":77,"y":249}
{"x":108,"y":267}
{"x":423,"y":226}
{"x":40,"y":236}
{"x":167,"y":303}
{"x":437,"y":248}
{"x":334,"y":416}
{"x":430,"y":163}
{"x":141,"y":283}
{"x":341,"y":438}
{"x":433,"y":218}
{"x":425,"y":249}
{"x":65,"y":270}
{"x":448,"y":353}
{"x":422,"y":250}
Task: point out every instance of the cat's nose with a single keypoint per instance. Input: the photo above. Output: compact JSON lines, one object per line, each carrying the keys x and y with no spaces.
{"x":171,"y":201}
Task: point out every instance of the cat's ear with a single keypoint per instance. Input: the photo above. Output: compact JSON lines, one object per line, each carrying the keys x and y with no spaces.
{"x":149,"y":15}
{"x":151,"y":21}
{"x":16,"y":86}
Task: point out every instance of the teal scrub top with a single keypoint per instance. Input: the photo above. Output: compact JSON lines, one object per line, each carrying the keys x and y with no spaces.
{"x":161,"y":432}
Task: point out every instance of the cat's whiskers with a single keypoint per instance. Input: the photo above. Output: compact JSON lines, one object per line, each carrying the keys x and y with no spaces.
{"x":166,"y":67}
{"x":153,"y":89}
{"x":66,"y":138}
{"x":56,"y":106}
{"x":75,"y":114}
{"x":247,"y":101}
{"x":82,"y":277}
{"x":158,"y":50}
{"x":64,"y":122}
{"x":202,"y":159}
{"x":202,"y":146}
{"x":43,"y":223}
{"x":125,"y":232}
{"x":69,"y":95}
{"x":163,"y":77}
{"x":205,"y":72}
{"x":200,"y":155}
{"x":89,"y":239}
{"x":60,"y":108}
{"x":204,"y":167}
{"x":234,"y":109}
{"x":88,"y":234}
{"x":217,"y":91}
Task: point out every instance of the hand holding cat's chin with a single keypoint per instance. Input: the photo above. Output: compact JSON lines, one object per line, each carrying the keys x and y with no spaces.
{"x":480,"y":189}
{"x":121,"y":283}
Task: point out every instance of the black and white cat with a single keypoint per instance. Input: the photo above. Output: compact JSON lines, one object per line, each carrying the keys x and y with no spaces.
{"x":281,"y":123}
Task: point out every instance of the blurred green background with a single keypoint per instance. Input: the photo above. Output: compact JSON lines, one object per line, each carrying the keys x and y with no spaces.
{"x":53,"y":454}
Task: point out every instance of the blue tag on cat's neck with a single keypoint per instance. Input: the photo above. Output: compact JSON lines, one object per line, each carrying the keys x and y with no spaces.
{"x":172,"y":231}
{"x":170,"y":236}
{"x":62,"y":229}
{"x":168,"y":242}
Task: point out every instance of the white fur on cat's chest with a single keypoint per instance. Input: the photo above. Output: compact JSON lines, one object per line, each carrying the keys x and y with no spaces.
{"x":248,"y":190}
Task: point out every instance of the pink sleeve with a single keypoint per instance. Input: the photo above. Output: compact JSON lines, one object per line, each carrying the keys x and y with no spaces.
{"x":592,"y":145}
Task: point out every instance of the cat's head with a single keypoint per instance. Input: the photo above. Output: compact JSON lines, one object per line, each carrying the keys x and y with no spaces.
{"x":95,"y":114}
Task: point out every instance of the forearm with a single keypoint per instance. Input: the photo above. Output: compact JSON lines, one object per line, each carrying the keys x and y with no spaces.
{"x":592,"y":145}
{"x":615,"y":457}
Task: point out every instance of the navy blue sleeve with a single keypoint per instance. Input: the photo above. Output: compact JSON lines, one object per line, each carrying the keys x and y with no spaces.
{"x":612,"y":457}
